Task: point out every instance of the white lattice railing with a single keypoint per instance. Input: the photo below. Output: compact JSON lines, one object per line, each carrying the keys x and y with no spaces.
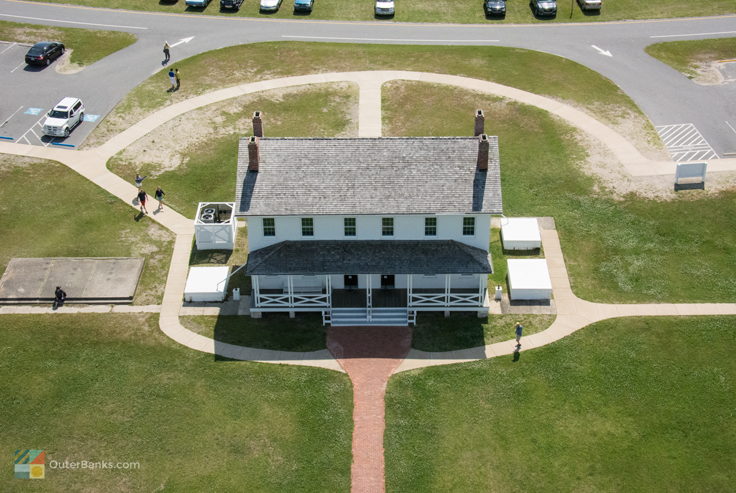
{"x":298,"y":300}
{"x":440,"y":299}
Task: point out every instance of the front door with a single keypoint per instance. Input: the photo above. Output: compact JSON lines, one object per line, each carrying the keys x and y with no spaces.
{"x":387,"y":281}
{"x":351,"y":281}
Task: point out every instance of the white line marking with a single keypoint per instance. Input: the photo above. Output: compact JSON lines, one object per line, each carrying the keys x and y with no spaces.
{"x":685,"y":143}
{"x":6,"y":49}
{"x":397,"y":39}
{"x":20,"y":108}
{"x":16,"y":68}
{"x":71,"y":22}
{"x":182,"y":40}
{"x":691,"y":34}
{"x":729,"y":126}
{"x":601,"y":51}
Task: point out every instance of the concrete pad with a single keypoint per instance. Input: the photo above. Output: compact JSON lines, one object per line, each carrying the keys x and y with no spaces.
{"x":85,"y":280}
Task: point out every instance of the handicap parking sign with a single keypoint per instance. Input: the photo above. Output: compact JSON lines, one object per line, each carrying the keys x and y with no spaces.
{"x":33,"y":111}
{"x":90,"y":118}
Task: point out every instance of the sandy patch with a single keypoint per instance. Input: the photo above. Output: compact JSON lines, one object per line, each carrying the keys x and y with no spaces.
{"x":708,"y":74}
{"x":168,"y":146}
{"x":64,"y":65}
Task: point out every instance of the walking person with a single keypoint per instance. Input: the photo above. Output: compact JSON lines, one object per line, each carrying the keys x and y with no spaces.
{"x":139,"y":180}
{"x":178,"y":80}
{"x":519,"y":330}
{"x":167,"y":55}
{"x":159,"y":194}
{"x":142,"y":197}
{"x":172,"y":79}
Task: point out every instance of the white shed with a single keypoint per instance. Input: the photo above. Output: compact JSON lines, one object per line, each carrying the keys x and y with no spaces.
{"x":529,"y":279}
{"x":215,"y":226}
{"x":520,"y":233}
{"x":206,"y":284}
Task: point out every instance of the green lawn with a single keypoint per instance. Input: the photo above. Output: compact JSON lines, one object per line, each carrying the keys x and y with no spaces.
{"x":50,"y":211}
{"x":88,"y":45}
{"x":688,"y":56}
{"x":274,"y":331}
{"x":532,"y":71}
{"x":205,"y":141}
{"x":434,"y":332}
{"x":624,"y":250}
{"x":623,"y":405}
{"x":114,"y":388}
{"x":459,"y":11}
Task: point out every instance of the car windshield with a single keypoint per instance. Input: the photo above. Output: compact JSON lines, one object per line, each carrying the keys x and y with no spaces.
{"x":59,"y":114}
{"x":35,"y":51}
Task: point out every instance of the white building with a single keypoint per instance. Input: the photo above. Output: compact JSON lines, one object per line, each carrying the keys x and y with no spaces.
{"x":368,"y":230}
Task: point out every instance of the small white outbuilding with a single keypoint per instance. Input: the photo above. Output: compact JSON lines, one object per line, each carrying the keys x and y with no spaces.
{"x":520,"y":233}
{"x":215,"y":226}
{"x":206,"y":284}
{"x":529,"y":279}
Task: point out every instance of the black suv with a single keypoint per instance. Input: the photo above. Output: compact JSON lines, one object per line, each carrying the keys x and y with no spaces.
{"x":544,"y":7}
{"x":44,"y":53}
{"x":231,"y":4}
{"x":494,"y":7}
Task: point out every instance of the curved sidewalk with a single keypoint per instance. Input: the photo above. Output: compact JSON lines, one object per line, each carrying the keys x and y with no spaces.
{"x":571,"y":311}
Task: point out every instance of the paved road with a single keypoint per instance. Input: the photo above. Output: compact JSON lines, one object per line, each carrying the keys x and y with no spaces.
{"x":666,"y":96}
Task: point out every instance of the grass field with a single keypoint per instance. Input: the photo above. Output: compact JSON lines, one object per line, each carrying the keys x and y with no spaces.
{"x":185,"y":154}
{"x":624,"y":405}
{"x":532,"y":71}
{"x":88,"y":45}
{"x":50,"y":211}
{"x":274,"y":331}
{"x":617,"y":250}
{"x":114,"y":388}
{"x":689,"y":56}
{"x":458,"y":11}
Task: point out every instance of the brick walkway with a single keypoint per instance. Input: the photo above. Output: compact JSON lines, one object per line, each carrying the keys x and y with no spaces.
{"x":369,"y":355}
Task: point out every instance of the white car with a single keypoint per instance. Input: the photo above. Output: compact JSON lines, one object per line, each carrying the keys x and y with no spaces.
{"x":66,"y":115}
{"x":270,"y":5}
{"x":385,"y":8}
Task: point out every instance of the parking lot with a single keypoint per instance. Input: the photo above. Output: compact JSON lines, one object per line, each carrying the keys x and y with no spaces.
{"x":35,"y":91}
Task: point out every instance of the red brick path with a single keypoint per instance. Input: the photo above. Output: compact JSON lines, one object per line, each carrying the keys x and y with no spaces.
{"x":368,"y":355}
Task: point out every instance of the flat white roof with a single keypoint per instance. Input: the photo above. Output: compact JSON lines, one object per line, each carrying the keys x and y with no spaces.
{"x":207,"y":279}
{"x":529,"y":273}
{"x":520,"y":229}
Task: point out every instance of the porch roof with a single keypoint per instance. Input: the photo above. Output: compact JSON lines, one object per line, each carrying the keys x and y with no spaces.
{"x":368,"y":257}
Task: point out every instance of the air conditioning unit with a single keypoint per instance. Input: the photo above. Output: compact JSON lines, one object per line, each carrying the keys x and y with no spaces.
{"x":207,"y":217}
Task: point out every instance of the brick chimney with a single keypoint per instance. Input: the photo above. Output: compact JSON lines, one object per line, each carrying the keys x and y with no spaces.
{"x":257,"y":124}
{"x":253,"y":154}
{"x":483,"y":146}
{"x":480,"y":120}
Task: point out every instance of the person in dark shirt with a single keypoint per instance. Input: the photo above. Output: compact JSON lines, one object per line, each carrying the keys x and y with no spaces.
{"x":59,"y":297}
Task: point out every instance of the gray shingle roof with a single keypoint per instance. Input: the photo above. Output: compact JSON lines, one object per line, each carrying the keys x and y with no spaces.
{"x":368,"y":257}
{"x":417,"y":175}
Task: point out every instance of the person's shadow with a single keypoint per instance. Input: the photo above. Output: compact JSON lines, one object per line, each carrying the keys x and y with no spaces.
{"x":517,"y":353}
{"x":138,"y":216}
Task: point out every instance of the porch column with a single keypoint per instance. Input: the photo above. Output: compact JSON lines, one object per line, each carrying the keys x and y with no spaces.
{"x":256,"y":290}
{"x":447,"y":289}
{"x":480,"y":288}
{"x":328,"y":287}
{"x":368,"y":291}
{"x":409,"y":288}
{"x":290,"y":289}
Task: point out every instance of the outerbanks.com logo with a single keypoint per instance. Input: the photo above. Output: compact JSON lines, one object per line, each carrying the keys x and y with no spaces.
{"x":32,"y":464}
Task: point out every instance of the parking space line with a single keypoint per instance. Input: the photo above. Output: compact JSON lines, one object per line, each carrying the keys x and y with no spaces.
{"x":72,"y":22}
{"x":6,"y":49}
{"x":11,"y":116}
{"x":16,"y":68}
{"x":729,"y":126}
{"x":685,"y":143}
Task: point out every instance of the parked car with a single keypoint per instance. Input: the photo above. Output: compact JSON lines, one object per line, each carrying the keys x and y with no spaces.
{"x":494,"y":7}
{"x":385,"y":8}
{"x":62,"y":119}
{"x":44,"y":53}
{"x":197,"y":3}
{"x":231,"y":4}
{"x":590,"y":4}
{"x":303,"y":5}
{"x":270,"y":5}
{"x":544,"y":7}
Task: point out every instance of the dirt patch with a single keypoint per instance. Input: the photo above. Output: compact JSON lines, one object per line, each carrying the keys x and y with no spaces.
{"x":708,"y":73}
{"x":168,"y":146}
{"x":613,"y":180}
{"x":9,"y":162}
{"x":64,"y":65}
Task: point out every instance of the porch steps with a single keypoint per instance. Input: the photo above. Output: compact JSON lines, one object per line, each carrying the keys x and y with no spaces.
{"x":379,"y":317}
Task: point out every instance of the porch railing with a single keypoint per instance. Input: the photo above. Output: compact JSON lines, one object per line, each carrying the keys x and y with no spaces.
{"x":443,"y":299}
{"x":297,"y":299}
